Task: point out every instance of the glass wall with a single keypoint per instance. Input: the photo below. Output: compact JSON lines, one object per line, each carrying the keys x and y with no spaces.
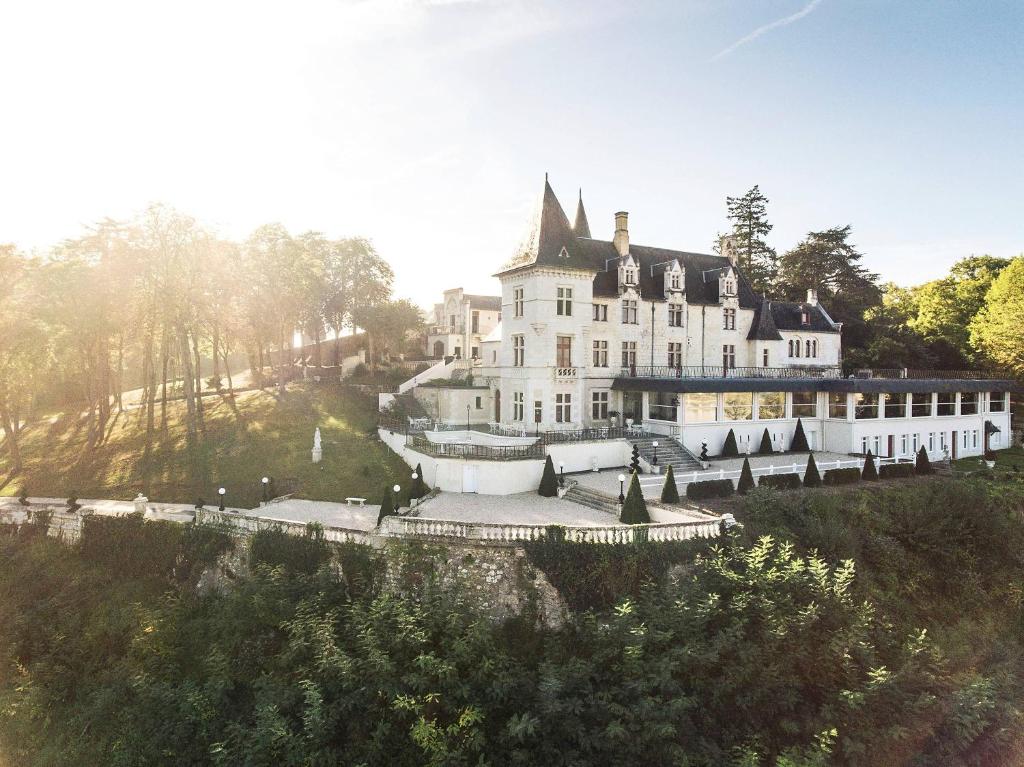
{"x":921,"y":405}
{"x":947,"y":403}
{"x":701,"y":408}
{"x":662,"y":405}
{"x":738,"y":406}
{"x":805,"y":404}
{"x":771,"y":404}
{"x":837,"y":405}
{"x":865,"y":405}
{"x":996,"y":402}
{"x":969,"y":404}
{"x":895,"y":405}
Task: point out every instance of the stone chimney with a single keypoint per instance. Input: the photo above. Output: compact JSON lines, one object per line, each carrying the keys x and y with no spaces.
{"x":812,"y":296}
{"x":621,"y":238}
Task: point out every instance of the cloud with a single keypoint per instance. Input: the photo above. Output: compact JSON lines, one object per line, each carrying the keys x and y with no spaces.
{"x":785,"y":21}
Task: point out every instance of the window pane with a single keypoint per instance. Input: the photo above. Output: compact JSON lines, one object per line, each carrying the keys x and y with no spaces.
{"x":968,"y":403}
{"x":865,"y":405}
{"x":996,"y":401}
{"x":662,"y":406}
{"x":837,"y":405}
{"x":771,"y":404}
{"x":805,"y":404}
{"x":895,"y":405}
{"x":921,"y":405}
{"x":701,"y":408}
{"x":738,"y":406}
{"x":946,"y":404}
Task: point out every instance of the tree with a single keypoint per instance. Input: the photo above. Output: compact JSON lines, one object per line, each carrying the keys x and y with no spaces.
{"x":669,"y":491}
{"x":765,"y":448}
{"x":634,"y":510}
{"x":729,"y":449}
{"x":634,"y":464}
{"x":996,"y":330}
{"x":757,"y":260}
{"x":922,"y":465}
{"x":869,"y":472}
{"x":548,"y":481}
{"x":799,"y":444}
{"x":387,"y":505}
{"x":811,"y":476}
{"x":389,"y":324}
{"x":746,"y":483}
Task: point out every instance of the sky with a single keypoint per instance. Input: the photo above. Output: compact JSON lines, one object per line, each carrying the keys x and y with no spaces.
{"x":427,"y":125}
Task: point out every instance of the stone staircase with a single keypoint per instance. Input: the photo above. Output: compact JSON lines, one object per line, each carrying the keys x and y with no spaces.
{"x":670,"y":453}
{"x":593,"y":499}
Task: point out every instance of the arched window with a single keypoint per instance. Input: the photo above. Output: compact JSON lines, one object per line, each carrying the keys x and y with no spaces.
{"x":791,"y":347}
{"x":796,"y":346}
{"x":807,"y":349}
{"x":814,"y":348}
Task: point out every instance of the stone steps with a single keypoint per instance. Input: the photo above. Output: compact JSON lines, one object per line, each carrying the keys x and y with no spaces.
{"x":593,"y":499}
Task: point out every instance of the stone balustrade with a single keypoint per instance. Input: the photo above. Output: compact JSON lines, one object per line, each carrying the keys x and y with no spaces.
{"x":250,"y":525}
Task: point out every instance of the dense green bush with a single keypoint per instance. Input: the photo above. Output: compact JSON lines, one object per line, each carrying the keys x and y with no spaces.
{"x":799,"y":444}
{"x":895,"y":470}
{"x":729,"y":449}
{"x":709,"y":488}
{"x":669,"y":490}
{"x":811,"y":476}
{"x":869,"y":473}
{"x":765,"y":448}
{"x":923,"y":465}
{"x":746,"y":482}
{"x":634,"y":509}
{"x":548,"y":481}
{"x":780,"y":481}
{"x":297,"y":554}
{"x":841,"y":476}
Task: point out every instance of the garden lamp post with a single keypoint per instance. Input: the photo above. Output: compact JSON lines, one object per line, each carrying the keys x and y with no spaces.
{"x":467,"y":417}
{"x":655,"y":446}
{"x":622,"y":482}
{"x":398,"y":503}
{"x":561,"y":474}
{"x":265,"y":482}
{"x":220,"y":492}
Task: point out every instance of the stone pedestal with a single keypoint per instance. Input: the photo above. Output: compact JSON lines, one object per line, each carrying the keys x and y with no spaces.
{"x":318,"y":454}
{"x":140,"y":503}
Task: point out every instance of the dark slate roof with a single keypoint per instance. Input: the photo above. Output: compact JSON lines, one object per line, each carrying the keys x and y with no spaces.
{"x":787,"y":317}
{"x":763,"y":327}
{"x":866,"y":385}
{"x":581,"y":227}
{"x":548,"y":235}
{"x":486,"y":303}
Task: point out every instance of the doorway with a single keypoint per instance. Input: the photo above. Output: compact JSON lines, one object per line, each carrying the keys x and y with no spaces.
{"x":892,"y":446}
{"x":497,"y":406}
{"x":469,"y":478}
{"x":956,"y":451}
{"x":438,"y":349}
{"x":633,"y":406}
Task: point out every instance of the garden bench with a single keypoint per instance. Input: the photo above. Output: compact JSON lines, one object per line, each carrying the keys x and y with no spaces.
{"x":353,"y":501}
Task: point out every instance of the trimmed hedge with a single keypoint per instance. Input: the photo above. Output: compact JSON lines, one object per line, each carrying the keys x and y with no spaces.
{"x":746,"y":483}
{"x":870,"y":473}
{"x":842,"y":476}
{"x":709,"y":488}
{"x":780,"y":481}
{"x":548,"y":481}
{"x":811,"y":476}
{"x":895,"y":470}
{"x":730,"y":449}
{"x":799,"y":444}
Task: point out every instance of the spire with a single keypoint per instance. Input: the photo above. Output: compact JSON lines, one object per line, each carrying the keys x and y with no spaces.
{"x":548,"y":235}
{"x":582,"y":227}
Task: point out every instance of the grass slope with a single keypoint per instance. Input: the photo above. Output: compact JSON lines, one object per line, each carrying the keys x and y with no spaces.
{"x":244,"y":440}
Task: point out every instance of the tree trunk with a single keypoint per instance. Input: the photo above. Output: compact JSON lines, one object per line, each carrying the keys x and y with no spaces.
{"x":216,"y":350}
{"x":188,"y":382}
{"x":316,"y":342}
{"x":199,"y":382}
{"x":12,"y":436}
{"x":227,"y":372}
{"x":280,"y":369}
{"x":163,"y":385}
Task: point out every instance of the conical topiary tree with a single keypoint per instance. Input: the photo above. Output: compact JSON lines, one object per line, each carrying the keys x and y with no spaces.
{"x":869,"y":472}
{"x":766,"y":444}
{"x":419,"y":488}
{"x":669,"y":491}
{"x":923,"y":465}
{"x":811,"y":476}
{"x":634,"y":510}
{"x":387,"y":505}
{"x":799,"y":444}
{"x":634,"y":464}
{"x":548,"y":481}
{"x":746,"y":483}
{"x":729,"y":449}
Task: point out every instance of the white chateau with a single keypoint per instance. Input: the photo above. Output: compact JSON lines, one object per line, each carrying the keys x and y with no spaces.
{"x":597,"y":334}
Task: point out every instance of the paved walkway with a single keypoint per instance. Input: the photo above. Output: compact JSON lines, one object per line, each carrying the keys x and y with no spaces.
{"x":324,"y":512}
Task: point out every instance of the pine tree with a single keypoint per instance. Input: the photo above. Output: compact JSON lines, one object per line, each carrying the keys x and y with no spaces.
{"x":923,"y":465}
{"x":811,"y":476}
{"x":548,"y":481}
{"x":419,"y":488}
{"x":387,"y":505}
{"x":757,"y":260}
{"x":634,"y":510}
{"x":746,"y":483}
{"x":799,"y":444}
{"x":869,"y":473}
{"x":669,"y":491}
{"x":766,"y":444}
{"x":634,"y":464}
{"x":729,"y":449}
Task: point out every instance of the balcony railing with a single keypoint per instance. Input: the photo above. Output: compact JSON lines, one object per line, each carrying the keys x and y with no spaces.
{"x":720,"y":371}
{"x":466,"y":450}
{"x":922,"y":373}
{"x":565,"y":373}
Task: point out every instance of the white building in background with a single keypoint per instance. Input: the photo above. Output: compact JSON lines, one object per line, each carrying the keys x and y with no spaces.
{"x":459,"y":324}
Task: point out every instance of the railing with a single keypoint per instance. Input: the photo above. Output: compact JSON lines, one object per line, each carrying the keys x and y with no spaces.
{"x":420,"y":527}
{"x":421,"y":444}
{"x":241,"y":522}
{"x":565,"y":372}
{"x":720,"y":371}
{"x":924,"y":373}
{"x":588,"y":434}
{"x":442,"y":330}
{"x":796,"y":468}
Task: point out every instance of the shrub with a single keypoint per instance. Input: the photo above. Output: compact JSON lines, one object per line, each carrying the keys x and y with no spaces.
{"x":419,"y":488}
{"x":634,"y":510}
{"x":297,"y":554}
{"x":387,"y":505}
{"x":634,"y":464}
{"x":131,"y":546}
{"x":896,"y":470}
{"x":746,"y":483}
{"x":548,"y":481}
{"x":842,"y":476}
{"x":811,"y":476}
{"x":669,"y":491}
{"x":709,"y":488}
{"x":799,"y":444}
{"x":869,"y":473}
{"x":923,"y":465}
{"x":729,"y":449}
{"x":780,"y":481}
{"x":766,"y":444}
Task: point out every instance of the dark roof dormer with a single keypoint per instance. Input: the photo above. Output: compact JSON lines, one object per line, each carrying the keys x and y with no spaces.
{"x":763,"y":328}
{"x":674,"y":279}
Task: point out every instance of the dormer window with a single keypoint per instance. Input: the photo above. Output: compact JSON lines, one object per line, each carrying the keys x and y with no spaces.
{"x":805,"y":317}
{"x":629,"y":277}
{"x":673,"y":281}
{"x":730,"y":287}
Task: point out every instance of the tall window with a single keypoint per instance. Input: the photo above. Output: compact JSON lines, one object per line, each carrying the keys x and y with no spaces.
{"x":865,"y":405}
{"x":600,"y":312}
{"x":563,"y":351}
{"x":517,"y":406}
{"x":663,"y":406}
{"x":599,"y":405}
{"x":729,"y":319}
{"x":805,"y":404}
{"x":807,"y":348}
{"x":629,"y":312}
{"x":764,"y":358}
{"x":675,"y":316}
{"x":673,"y":281}
{"x":968,"y":404}
{"x":895,"y":405}
{"x":771,"y":404}
{"x":600,"y":354}
{"x":730,"y":287}
{"x":791,"y":348}
{"x":946,"y":404}
{"x":563,"y":305}
{"x":738,"y":406}
{"x":996,"y":402}
{"x":814,"y":348}
{"x":563,"y":408}
{"x":729,"y":356}
{"x":921,"y":405}
{"x":629,"y":277}
{"x":675,"y":354}
{"x":476,"y":322}
{"x":837,"y":405}
{"x":518,"y":351}
{"x":517,"y":302}
{"x":701,"y":408}
{"x":628,"y":354}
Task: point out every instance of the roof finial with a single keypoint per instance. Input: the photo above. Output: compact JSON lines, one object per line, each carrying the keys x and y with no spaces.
{"x":545,"y":177}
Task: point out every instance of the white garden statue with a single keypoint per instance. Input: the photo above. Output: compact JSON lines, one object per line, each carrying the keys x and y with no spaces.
{"x":318,"y":452}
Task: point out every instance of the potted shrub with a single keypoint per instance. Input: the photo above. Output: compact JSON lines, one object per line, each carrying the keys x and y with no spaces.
{"x":613,"y":417}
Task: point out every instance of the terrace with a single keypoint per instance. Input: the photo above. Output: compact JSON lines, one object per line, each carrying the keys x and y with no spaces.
{"x":833,"y":372}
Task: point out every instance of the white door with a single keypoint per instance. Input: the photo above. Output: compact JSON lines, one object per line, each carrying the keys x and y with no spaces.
{"x":469,"y":478}
{"x":812,"y":440}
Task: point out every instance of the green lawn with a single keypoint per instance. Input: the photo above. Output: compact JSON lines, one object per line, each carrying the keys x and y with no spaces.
{"x":256,"y":435}
{"x":1011,"y":459}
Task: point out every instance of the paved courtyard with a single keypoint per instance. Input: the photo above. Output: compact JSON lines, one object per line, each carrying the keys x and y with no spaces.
{"x":324,"y":512}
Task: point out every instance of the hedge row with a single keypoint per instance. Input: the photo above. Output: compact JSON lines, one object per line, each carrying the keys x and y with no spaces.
{"x":709,"y":488}
{"x":895,"y":470}
{"x":842,"y":476}
{"x":780,"y":481}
